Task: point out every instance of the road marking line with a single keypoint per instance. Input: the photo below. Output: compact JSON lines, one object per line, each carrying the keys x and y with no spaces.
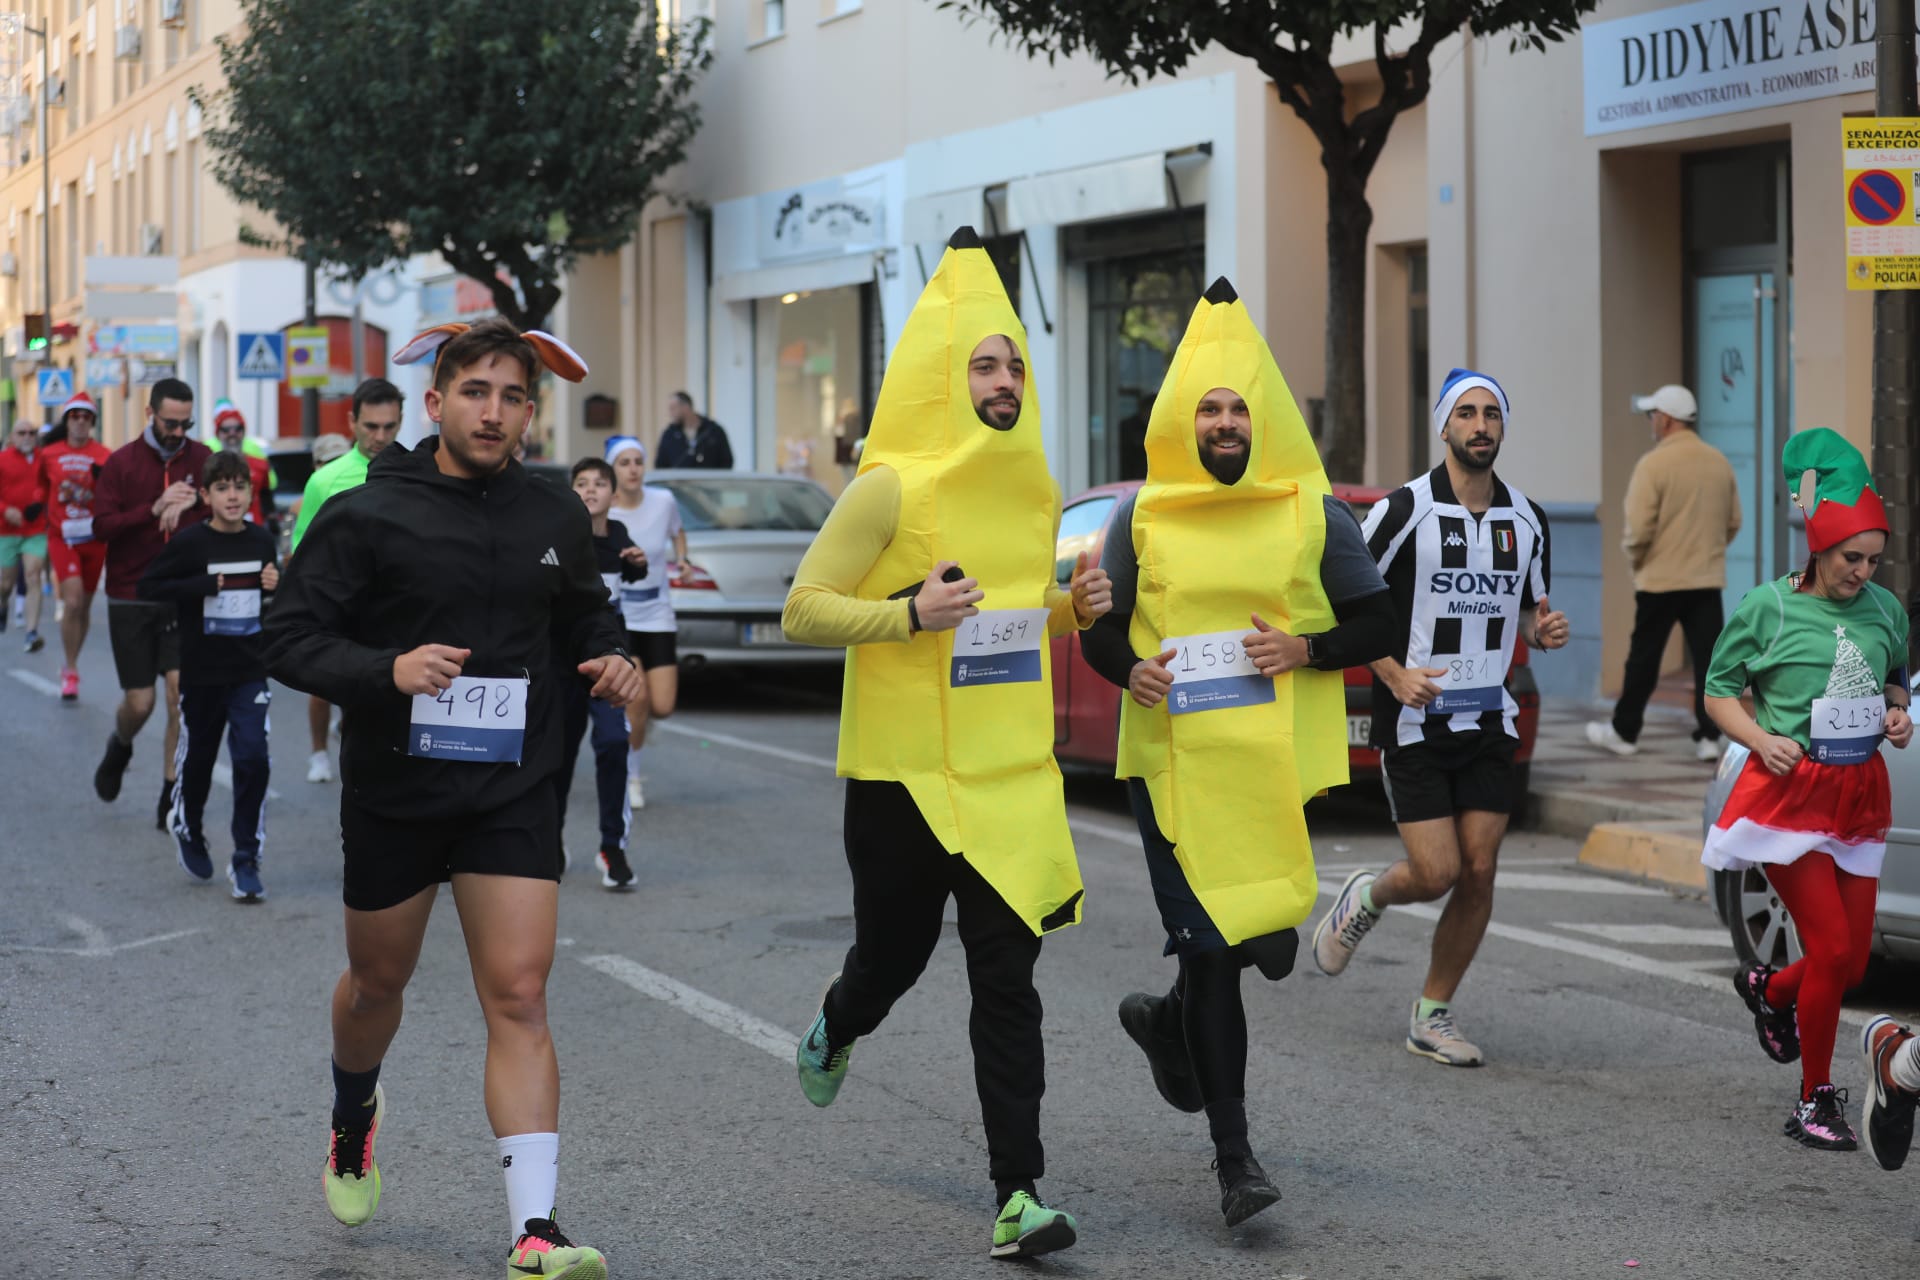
{"x":716,"y":1013}
{"x":1575,"y":884}
{"x":1655,"y":935}
{"x":93,"y":940}
{"x":1119,"y":835}
{"x":35,"y":681}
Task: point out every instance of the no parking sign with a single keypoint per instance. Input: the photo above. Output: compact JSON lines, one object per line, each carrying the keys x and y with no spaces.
{"x":1882,"y":174}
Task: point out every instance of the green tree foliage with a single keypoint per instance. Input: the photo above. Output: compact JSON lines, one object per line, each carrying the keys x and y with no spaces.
{"x":510,"y":139}
{"x":1292,"y":43}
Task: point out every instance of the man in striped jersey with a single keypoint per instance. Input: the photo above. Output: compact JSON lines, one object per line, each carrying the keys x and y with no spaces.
{"x":1466,"y":558}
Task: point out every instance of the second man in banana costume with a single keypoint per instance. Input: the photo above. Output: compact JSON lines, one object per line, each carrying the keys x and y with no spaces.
{"x":1241,"y":587}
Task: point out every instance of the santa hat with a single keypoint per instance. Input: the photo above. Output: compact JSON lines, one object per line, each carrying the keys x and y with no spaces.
{"x":557,"y":356}
{"x":79,"y":400}
{"x":225,"y":412}
{"x":1830,"y":483}
{"x":620,"y":444}
{"x":1458,"y":382}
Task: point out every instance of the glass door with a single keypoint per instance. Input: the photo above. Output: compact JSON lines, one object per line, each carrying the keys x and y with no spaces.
{"x":1733,"y":353}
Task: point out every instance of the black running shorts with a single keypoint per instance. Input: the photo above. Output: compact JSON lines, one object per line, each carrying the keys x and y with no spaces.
{"x":388,"y":860}
{"x":654,"y":648}
{"x":146,"y":641}
{"x":1440,"y":779}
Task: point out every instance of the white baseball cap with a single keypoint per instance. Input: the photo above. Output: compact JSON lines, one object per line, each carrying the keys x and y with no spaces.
{"x":1675,"y":401}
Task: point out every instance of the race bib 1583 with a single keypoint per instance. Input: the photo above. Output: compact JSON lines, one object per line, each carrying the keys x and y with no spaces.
{"x":1213,"y":671}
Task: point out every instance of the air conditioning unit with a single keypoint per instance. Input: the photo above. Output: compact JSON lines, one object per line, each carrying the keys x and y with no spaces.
{"x":126,"y":43}
{"x":151,"y":238}
{"x":9,"y":264}
{"x":173,"y":13}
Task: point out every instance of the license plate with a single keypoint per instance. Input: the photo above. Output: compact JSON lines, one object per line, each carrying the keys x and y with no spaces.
{"x":762,"y":633}
{"x":1359,"y":730}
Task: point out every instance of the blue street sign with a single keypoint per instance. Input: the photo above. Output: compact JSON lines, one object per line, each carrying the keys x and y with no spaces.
{"x":263,"y":357}
{"x":56,"y":387}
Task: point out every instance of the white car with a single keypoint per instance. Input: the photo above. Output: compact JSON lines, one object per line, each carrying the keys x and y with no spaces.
{"x":746,"y":532}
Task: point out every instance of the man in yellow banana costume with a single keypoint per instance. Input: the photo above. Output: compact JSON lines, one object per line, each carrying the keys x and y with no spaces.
{"x":1241,"y":587}
{"x":936,"y":572}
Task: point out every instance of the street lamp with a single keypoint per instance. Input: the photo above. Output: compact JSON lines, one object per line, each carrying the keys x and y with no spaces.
{"x":16,"y":24}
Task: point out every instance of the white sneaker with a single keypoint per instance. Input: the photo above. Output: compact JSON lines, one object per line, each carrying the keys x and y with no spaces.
{"x":1346,"y":922}
{"x":1707,"y":750}
{"x":319,"y":768}
{"x":1602,"y":734}
{"x":1436,"y":1036}
{"x":636,"y":797}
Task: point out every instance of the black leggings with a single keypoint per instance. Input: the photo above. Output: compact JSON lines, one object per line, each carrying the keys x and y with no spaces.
{"x":1213,"y":1019}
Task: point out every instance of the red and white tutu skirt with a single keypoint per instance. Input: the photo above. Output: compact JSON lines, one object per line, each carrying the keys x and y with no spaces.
{"x":1839,"y":809}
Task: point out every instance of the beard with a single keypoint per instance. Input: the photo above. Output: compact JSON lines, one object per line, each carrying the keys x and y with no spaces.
{"x":1467,"y":460}
{"x":989,"y":411}
{"x":1226,"y":468}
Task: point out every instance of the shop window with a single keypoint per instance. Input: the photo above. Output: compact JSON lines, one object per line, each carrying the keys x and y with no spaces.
{"x":812,"y":356}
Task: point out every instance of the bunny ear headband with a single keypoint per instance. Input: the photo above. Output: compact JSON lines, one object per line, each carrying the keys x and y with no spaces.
{"x":556,"y":355}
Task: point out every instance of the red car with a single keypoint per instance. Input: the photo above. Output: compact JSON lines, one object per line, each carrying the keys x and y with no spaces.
{"x":1086,"y":709}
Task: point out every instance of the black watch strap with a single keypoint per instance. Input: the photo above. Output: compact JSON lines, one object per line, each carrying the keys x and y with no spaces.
{"x":913,"y":618}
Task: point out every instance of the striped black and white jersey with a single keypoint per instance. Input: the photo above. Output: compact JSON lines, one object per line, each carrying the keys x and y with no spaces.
{"x":1459,"y":582}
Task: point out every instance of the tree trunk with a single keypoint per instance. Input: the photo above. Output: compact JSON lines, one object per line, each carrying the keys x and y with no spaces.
{"x":1344,"y":414}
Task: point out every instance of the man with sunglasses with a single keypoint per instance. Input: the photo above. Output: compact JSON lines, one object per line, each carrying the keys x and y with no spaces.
{"x":147,"y":491}
{"x":230,"y":428}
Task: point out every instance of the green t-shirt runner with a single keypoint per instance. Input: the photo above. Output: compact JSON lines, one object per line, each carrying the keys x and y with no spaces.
{"x":348,"y":471}
{"x":1795,"y":647}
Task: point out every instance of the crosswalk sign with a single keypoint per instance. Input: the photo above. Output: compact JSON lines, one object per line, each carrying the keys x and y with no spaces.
{"x":263,"y":357}
{"x":56,"y":387}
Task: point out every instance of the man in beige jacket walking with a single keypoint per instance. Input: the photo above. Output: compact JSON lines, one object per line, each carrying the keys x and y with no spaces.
{"x":1683,"y":509}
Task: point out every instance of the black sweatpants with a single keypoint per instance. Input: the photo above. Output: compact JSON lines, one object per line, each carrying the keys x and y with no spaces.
{"x":1654,"y":613}
{"x":902,"y":877}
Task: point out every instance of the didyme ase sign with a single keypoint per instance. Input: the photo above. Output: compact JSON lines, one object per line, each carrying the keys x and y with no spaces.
{"x":1717,"y":56}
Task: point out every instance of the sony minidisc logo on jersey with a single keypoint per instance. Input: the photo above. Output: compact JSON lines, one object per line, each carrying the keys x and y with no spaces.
{"x":1470,"y":589}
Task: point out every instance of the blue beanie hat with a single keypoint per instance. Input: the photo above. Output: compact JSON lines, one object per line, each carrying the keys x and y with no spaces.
{"x":1459,"y":381}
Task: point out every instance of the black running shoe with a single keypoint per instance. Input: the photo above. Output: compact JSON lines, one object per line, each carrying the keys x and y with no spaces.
{"x":1889,"y":1117}
{"x":113,"y":767}
{"x":1244,"y":1187}
{"x":614,"y":872}
{"x":1821,"y":1121}
{"x":1172,"y":1066}
{"x":1779,"y":1036}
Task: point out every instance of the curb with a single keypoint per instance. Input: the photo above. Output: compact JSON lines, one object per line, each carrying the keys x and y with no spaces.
{"x":1663,"y":853}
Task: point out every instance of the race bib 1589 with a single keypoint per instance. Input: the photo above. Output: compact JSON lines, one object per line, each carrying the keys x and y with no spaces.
{"x":482,"y":719}
{"x":998,"y":646}
{"x":1213,"y":671}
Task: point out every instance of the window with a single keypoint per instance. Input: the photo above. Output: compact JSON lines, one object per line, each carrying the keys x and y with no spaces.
{"x":190,"y":224}
{"x":1419,"y":401}
{"x":830,"y":9}
{"x":1080,"y":528}
{"x":748,"y":503}
{"x":773,"y":18}
{"x":73,"y":239}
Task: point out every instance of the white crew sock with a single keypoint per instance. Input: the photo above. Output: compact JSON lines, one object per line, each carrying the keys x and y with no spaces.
{"x":1905,"y":1067}
{"x":633,"y":761}
{"x":531,"y":1163}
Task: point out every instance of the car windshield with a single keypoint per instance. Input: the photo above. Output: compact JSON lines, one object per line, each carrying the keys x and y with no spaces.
{"x":744,"y":502}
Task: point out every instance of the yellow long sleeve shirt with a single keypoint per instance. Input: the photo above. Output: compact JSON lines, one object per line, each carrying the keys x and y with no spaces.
{"x":822,"y":608}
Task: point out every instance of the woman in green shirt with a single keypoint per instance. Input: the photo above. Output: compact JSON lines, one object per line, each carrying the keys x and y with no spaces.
{"x":1824,"y":652}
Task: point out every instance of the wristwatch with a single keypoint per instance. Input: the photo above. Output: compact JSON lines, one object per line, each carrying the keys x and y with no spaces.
{"x":1313,"y":649}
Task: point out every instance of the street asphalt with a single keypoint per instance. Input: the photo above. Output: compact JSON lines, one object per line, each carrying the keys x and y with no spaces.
{"x":163,"y":1055}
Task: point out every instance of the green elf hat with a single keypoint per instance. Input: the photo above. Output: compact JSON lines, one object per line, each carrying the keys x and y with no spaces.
{"x":1830,"y":483}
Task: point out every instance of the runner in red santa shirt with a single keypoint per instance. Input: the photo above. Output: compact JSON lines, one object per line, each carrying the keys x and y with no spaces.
{"x":70,"y":469}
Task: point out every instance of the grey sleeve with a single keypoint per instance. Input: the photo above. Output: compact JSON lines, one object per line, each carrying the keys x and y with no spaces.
{"x":1119,"y":560}
{"x":1347,"y":568}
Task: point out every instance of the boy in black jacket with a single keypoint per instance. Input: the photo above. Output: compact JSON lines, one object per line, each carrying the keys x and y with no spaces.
{"x":216,"y":572}
{"x":619,"y":560}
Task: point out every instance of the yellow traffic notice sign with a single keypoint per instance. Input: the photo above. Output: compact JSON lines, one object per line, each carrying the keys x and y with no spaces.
{"x":1882,"y":184}
{"x":307,"y":358}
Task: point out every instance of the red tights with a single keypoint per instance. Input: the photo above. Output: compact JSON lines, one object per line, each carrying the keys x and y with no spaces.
{"x":1833,"y":912}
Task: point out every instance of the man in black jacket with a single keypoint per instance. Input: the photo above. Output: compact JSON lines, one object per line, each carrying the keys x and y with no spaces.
{"x":423,"y":604}
{"x":692,"y":439}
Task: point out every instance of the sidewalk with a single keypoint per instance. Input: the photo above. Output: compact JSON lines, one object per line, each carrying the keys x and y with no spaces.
{"x":1639,"y":815}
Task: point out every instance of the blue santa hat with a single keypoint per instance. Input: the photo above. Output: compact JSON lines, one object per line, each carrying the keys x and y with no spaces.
{"x":1458,"y":382}
{"x":620,"y":444}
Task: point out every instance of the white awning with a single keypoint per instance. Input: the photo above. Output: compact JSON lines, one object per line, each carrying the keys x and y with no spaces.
{"x":795,"y":277}
{"x":935,"y":217}
{"x":1136,"y":185}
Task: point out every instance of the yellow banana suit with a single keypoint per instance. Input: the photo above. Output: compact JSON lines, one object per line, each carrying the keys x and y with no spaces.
{"x":978,"y":761}
{"x":1228,"y":784}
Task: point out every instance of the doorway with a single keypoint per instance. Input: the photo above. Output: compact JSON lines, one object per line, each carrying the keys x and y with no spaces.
{"x":1739,"y":263}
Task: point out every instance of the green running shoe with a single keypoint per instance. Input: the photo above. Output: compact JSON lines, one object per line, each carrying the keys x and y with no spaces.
{"x":542,"y":1250}
{"x":352,"y":1178}
{"x":822,"y":1063}
{"x":1026,"y":1227}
